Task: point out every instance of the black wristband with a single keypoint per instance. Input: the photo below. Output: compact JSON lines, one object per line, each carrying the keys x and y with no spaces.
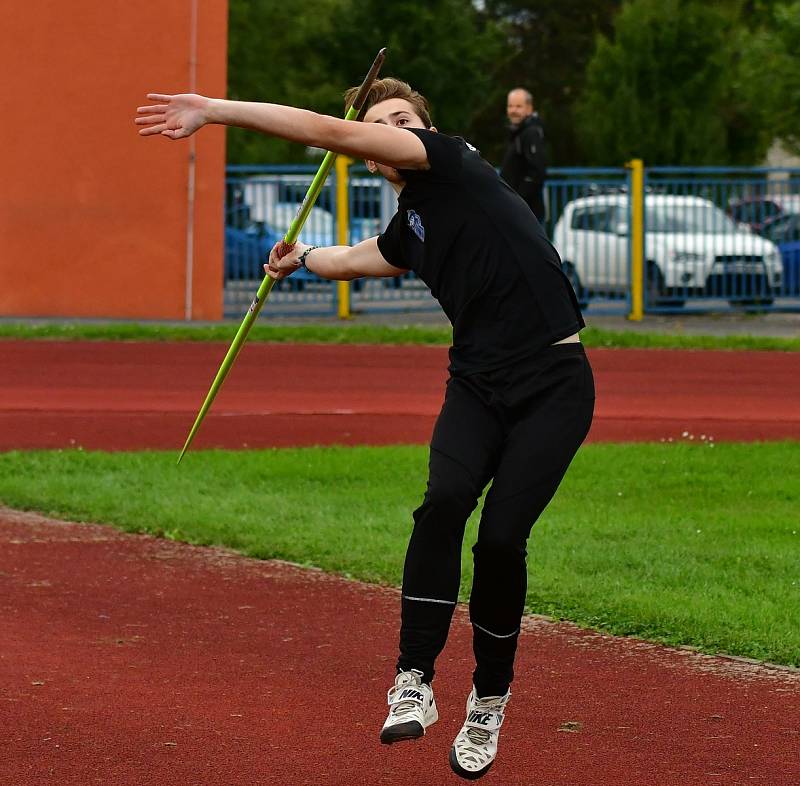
{"x":301,"y":260}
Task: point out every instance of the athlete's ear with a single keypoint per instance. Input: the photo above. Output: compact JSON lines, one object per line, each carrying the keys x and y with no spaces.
{"x":371,"y":166}
{"x":434,"y":129}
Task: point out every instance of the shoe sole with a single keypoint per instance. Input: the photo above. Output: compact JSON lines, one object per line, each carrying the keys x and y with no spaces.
{"x":470,"y":775}
{"x":412,"y":730}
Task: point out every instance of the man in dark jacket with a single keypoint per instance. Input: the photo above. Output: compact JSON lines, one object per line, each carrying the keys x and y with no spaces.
{"x":524,"y":165}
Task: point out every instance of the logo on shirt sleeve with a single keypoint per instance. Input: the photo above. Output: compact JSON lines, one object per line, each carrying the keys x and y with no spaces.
{"x":415,"y":222}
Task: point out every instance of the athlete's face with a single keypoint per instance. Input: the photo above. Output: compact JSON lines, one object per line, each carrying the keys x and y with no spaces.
{"x":518,"y":107}
{"x":393,"y":112}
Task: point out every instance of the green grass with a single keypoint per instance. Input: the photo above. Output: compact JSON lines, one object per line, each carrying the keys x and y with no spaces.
{"x":364,"y":334}
{"x":678,"y":543}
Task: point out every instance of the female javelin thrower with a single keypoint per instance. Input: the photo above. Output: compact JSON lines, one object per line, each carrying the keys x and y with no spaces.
{"x":519,"y":399}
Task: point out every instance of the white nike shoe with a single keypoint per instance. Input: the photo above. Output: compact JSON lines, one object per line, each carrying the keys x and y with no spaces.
{"x":475,"y":746}
{"x":411,"y":708}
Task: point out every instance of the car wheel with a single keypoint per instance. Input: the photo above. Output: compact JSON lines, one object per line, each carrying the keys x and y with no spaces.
{"x":575,"y":280}
{"x":753,"y":305}
{"x":655,"y":291}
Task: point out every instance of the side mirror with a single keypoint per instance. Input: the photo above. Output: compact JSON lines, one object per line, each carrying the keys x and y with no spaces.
{"x":621,"y":229}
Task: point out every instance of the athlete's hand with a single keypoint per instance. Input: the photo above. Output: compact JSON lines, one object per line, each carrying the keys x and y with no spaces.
{"x":175,"y":117}
{"x":278,"y":266}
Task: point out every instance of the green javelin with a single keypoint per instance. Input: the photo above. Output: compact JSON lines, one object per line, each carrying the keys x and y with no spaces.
{"x":289,"y":240}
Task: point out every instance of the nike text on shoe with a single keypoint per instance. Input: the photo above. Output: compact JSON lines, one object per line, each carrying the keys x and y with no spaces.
{"x":475,"y":746}
{"x":411,"y":708}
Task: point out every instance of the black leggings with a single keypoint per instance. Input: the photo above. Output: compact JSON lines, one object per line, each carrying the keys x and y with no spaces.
{"x":519,"y":429}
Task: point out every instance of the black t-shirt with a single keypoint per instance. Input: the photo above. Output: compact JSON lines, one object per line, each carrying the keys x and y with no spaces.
{"x":483,"y":254}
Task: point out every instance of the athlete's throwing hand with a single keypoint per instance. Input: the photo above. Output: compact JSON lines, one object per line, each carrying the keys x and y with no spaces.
{"x":280,"y":267}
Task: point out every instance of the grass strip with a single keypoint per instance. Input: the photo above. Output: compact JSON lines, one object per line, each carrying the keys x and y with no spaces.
{"x":364,"y":334}
{"x":677,"y":543}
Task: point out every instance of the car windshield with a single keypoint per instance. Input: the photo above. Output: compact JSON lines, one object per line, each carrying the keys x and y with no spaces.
{"x":688,"y":218}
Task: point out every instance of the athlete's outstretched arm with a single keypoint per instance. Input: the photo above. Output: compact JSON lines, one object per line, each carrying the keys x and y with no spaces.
{"x":179,"y":116}
{"x":337,"y":263}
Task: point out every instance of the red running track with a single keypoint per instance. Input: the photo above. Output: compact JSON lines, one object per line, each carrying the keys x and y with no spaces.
{"x":161,"y":664}
{"x":158,"y":663}
{"x":125,"y":396}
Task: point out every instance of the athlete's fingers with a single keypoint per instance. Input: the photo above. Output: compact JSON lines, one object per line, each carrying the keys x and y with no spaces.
{"x":156,"y":129}
{"x":279,"y":272}
{"x":276,"y":266}
{"x":176,"y":133}
{"x":161,"y":97}
{"x":272,"y":262}
{"x":280,"y":267}
{"x":149,"y":120}
{"x":150,"y":109}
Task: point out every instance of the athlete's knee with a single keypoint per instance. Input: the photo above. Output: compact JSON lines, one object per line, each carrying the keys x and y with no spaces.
{"x":449,"y":497}
{"x":499,"y":547}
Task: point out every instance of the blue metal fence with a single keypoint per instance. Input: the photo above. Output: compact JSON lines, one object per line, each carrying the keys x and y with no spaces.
{"x":260,"y":204}
{"x":715,"y":238}
{"x":722,"y":237}
{"x":584,"y":208}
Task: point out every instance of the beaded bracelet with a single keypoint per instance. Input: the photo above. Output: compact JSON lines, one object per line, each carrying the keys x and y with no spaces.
{"x":301,"y":260}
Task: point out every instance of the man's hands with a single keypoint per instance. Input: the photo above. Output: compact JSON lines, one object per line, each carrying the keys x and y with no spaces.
{"x":279,"y":268}
{"x":175,"y":117}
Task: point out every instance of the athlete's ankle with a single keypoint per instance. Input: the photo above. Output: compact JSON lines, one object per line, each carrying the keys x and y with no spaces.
{"x":425,"y":674}
{"x":490,"y":689}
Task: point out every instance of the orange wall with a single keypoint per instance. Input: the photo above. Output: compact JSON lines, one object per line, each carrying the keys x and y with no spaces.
{"x":93,"y":218}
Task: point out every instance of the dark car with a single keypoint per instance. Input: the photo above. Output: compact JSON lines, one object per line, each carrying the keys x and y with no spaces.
{"x":784,"y":231}
{"x":757,"y":212}
{"x":247,"y":248}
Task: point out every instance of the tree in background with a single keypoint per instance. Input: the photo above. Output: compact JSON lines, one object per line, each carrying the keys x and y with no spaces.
{"x":770,"y":73}
{"x":444,"y":48}
{"x":278,"y":55}
{"x":663,"y":89}
{"x":547,"y":45}
{"x":673,"y":81}
{"x":754,"y":13}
